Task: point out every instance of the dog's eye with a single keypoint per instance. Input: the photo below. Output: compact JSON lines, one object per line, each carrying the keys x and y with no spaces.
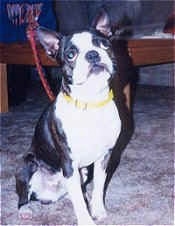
{"x":71,"y":54}
{"x":105,"y":44}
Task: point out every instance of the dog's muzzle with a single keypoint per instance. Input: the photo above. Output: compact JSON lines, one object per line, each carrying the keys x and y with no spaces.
{"x":95,"y":64}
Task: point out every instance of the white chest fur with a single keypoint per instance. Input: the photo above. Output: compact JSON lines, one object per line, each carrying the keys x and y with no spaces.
{"x":90,"y":133}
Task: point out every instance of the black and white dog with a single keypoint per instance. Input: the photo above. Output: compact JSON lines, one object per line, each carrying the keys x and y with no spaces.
{"x":81,"y":129}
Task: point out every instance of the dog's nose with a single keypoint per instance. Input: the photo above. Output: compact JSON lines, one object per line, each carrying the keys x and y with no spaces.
{"x":92,"y":56}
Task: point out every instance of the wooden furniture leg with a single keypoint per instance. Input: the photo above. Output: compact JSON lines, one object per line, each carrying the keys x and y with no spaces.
{"x":127,"y":92}
{"x":3,"y":89}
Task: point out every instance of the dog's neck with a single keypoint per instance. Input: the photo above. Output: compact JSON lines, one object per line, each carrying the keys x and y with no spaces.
{"x":91,"y":96}
{"x":87,"y":93}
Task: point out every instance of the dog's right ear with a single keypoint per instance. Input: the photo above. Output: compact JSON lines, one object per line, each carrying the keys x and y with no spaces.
{"x":50,"y":40}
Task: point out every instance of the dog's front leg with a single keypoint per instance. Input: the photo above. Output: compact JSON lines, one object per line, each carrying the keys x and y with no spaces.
{"x":97,"y":206}
{"x":73,"y":184}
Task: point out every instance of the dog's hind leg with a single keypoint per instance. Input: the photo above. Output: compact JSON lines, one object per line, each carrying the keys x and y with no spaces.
{"x":73,"y":185}
{"x":97,"y":206}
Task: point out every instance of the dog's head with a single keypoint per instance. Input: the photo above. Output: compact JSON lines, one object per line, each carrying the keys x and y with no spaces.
{"x":86,"y":56}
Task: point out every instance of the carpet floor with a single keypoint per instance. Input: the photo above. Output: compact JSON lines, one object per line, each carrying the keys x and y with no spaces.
{"x":142,"y":189}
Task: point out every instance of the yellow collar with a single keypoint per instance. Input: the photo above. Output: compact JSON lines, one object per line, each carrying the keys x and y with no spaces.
{"x":85,"y":105}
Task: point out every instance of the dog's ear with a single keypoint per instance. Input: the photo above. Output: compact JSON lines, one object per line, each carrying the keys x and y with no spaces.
{"x":102,"y":23}
{"x":50,"y":40}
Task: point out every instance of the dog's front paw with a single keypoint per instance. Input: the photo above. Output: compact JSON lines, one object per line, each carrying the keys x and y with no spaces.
{"x":98,"y":212}
{"x":86,"y":222}
{"x":25,"y":213}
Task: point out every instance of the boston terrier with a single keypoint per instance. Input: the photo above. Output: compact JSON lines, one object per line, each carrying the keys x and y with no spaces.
{"x":83,"y":131}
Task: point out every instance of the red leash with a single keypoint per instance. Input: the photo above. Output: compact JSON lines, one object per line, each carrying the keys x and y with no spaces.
{"x":17,"y":16}
{"x":31,"y":30}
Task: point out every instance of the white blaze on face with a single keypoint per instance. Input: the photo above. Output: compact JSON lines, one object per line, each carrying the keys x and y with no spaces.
{"x":83,"y":41}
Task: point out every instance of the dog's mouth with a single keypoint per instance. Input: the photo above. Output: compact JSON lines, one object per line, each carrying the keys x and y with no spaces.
{"x":97,"y":68}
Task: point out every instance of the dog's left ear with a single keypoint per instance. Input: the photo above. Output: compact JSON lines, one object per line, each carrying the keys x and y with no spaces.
{"x":102,"y":23}
{"x":50,"y":40}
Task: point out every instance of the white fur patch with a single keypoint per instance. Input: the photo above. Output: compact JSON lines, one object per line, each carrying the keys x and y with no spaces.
{"x":91,"y":133}
{"x":47,"y":187}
